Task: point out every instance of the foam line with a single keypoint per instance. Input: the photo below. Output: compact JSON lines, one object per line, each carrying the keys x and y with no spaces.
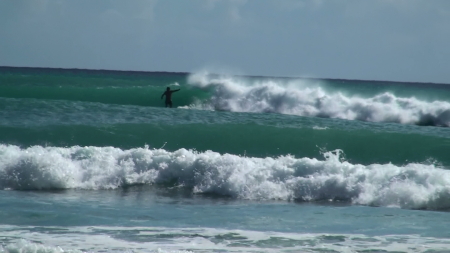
{"x":201,"y":239}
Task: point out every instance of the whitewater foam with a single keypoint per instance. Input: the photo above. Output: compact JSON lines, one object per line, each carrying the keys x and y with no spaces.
{"x":304,"y":98}
{"x":282,"y":178}
{"x":186,"y":240}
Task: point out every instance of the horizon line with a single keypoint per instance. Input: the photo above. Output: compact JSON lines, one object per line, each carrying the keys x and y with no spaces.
{"x":187,"y":73}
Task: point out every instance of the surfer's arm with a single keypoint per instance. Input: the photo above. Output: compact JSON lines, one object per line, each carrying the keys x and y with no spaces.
{"x":163,"y":95}
{"x":176,"y":90}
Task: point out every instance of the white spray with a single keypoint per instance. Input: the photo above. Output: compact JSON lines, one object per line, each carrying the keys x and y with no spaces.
{"x":303,"y":98}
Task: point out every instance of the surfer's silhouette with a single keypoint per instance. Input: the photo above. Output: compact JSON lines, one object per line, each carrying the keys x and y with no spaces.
{"x":168,"y":94}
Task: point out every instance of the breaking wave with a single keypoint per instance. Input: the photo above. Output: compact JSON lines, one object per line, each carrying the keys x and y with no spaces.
{"x":415,"y":186}
{"x":300,"y":97}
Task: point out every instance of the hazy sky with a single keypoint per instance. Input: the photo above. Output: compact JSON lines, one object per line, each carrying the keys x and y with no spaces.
{"x":399,"y":40}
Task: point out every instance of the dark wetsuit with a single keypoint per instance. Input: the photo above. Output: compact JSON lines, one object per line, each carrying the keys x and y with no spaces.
{"x":168,"y":94}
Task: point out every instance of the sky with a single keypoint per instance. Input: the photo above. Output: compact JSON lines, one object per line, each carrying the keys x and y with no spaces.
{"x":395,"y":40}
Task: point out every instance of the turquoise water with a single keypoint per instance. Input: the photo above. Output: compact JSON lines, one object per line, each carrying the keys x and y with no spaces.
{"x":92,"y":161}
{"x":142,"y":218}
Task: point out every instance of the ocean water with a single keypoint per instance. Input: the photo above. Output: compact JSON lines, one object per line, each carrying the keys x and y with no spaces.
{"x":91,"y":161}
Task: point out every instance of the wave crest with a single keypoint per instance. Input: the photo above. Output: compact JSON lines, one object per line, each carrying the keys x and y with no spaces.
{"x":297,"y":97}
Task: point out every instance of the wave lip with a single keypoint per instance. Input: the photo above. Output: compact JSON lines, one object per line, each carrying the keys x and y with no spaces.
{"x":299,"y":97}
{"x":415,"y":186}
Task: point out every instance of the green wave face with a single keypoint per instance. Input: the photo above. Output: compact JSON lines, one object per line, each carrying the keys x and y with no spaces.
{"x":255,"y":135}
{"x":109,"y":88}
{"x":253,"y":140}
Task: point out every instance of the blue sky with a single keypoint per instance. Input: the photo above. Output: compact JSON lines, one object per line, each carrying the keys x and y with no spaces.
{"x":398,"y":40}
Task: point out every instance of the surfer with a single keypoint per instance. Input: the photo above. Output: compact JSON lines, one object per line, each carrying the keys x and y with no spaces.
{"x":168,"y":94}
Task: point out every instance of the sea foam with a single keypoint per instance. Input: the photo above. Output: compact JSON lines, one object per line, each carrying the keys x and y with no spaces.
{"x":201,"y":239}
{"x":281,"y":178}
{"x":299,"y":97}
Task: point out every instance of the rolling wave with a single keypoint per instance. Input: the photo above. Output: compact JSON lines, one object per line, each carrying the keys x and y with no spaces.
{"x":299,"y":97}
{"x":415,"y":186}
{"x":363,"y":101}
